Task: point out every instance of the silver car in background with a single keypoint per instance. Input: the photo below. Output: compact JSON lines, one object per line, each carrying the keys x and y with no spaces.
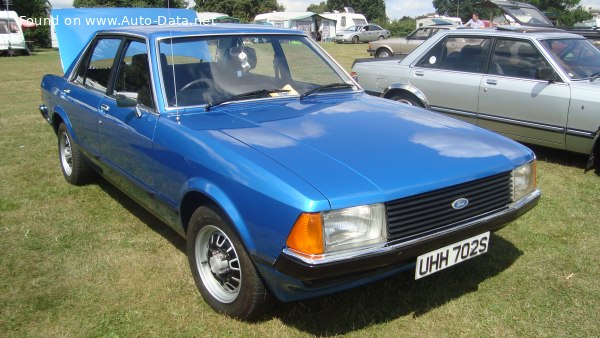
{"x":402,"y":46}
{"x":366,"y":33}
{"x":536,"y":85}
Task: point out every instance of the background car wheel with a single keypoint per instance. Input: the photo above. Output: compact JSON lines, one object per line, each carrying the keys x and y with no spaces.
{"x":222,"y":270}
{"x":380,"y":37}
{"x":74,"y":167}
{"x":407,"y":99}
{"x":355,"y":39}
{"x":383,"y":53}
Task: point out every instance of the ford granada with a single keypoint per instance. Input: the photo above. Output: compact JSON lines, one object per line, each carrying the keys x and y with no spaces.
{"x":535,"y":85}
{"x":283,"y":175}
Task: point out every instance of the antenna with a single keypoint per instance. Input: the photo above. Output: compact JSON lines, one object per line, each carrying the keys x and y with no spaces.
{"x":177,"y":116}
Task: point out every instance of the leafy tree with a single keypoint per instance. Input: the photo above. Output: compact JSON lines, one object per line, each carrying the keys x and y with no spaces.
{"x":245,"y":10}
{"x":320,"y":8}
{"x":374,"y":10}
{"x":571,"y":17}
{"x":35,"y":9}
{"x":400,"y":27}
{"x":131,"y":3}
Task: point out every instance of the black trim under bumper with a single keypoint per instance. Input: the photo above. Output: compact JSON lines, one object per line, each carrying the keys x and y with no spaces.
{"x":320,"y":275}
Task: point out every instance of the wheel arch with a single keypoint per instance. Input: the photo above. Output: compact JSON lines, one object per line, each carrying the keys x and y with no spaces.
{"x":60,"y":116}
{"x":379,"y":48}
{"x":594,"y":157}
{"x":402,"y":88}
{"x":200,"y":192}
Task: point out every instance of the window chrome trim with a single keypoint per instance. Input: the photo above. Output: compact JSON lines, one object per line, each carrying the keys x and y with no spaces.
{"x":393,"y":246}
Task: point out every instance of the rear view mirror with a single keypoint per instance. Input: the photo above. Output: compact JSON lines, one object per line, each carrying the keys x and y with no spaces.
{"x":545,"y":73}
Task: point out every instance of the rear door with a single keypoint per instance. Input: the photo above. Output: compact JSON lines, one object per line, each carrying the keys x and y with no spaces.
{"x":126,"y":133}
{"x":512,"y":101}
{"x":450,"y":73}
{"x":86,"y":89}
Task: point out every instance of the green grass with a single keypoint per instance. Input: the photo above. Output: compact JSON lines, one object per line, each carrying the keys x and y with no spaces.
{"x":89,"y":262}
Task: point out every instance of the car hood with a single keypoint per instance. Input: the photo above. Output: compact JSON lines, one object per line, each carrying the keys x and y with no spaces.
{"x":357,"y":149}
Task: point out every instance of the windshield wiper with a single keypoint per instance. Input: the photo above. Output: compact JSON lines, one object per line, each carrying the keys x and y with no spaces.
{"x":260,"y":92}
{"x":594,"y":76}
{"x":334,"y":85}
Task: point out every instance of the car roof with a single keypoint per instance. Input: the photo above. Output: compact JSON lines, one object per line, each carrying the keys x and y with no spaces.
{"x":518,"y":32}
{"x":160,"y":31}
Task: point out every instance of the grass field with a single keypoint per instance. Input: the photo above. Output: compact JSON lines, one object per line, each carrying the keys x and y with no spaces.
{"x":89,"y":262}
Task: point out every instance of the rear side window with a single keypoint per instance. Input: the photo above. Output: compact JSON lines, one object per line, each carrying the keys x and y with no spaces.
{"x":96,"y":73}
{"x":464,"y":54}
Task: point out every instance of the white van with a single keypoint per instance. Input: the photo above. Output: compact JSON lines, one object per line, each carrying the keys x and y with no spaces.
{"x":11,"y":35}
{"x":346,"y":19}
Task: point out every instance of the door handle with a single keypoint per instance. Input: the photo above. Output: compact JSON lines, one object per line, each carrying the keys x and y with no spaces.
{"x":104,"y":107}
{"x":419,"y":73}
{"x":491,"y":82}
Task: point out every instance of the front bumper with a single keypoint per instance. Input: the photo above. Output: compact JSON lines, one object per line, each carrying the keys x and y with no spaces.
{"x":305,"y":278}
{"x":343,"y":38}
{"x":371,"y":51}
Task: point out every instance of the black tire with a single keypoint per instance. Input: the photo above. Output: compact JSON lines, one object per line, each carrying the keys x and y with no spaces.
{"x":355,"y":39}
{"x":383,"y":53}
{"x":227,"y":280}
{"x":73,"y":164}
{"x":408,"y":99}
{"x":381,"y":37}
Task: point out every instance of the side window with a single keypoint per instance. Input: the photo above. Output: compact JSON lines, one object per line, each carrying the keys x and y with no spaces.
{"x":343,"y":23}
{"x":422,"y":34}
{"x":516,"y":58}
{"x":464,"y":54}
{"x":96,"y":73}
{"x":134,"y":74}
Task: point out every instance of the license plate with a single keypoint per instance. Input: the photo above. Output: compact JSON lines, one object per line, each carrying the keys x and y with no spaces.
{"x":452,"y":254}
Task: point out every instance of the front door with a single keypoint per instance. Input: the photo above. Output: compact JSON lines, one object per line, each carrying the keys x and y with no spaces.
{"x":513,"y":102}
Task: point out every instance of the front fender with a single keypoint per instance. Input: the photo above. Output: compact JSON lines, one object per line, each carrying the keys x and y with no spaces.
{"x":403,"y":87}
{"x":211,"y":191}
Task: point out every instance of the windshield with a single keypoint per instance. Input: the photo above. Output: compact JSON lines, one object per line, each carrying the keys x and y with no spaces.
{"x":577,"y":57}
{"x":204,"y":70}
{"x":529,"y":16}
{"x":354,"y":28}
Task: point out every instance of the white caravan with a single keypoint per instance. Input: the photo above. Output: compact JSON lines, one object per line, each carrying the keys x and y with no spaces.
{"x":11,"y":35}
{"x":346,"y":19}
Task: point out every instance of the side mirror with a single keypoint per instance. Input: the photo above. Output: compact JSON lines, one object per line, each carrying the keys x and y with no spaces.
{"x":545,"y":73}
{"x":127,"y":99}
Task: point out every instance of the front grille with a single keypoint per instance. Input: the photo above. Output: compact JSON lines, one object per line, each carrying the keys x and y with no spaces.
{"x":433,"y":211}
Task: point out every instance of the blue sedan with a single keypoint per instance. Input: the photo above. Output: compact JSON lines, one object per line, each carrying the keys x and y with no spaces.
{"x":285,"y":178}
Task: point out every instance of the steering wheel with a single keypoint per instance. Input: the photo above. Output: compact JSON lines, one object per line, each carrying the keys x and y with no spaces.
{"x":190,"y":84}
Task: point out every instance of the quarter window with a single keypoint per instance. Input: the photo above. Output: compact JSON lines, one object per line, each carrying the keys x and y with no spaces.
{"x":516,"y":58}
{"x":465,"y":54}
